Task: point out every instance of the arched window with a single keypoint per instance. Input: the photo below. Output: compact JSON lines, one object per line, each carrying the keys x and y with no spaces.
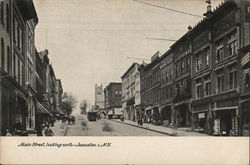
{"x":2,"y":54}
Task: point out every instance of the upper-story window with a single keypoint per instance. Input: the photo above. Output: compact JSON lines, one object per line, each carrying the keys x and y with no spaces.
{"x":162,"y":78}
{"x":206,"y":57}
{"x":182,"y":67}
{"x":246,"y":81}
{"x":171,"y":74}
{"x":220,"y":81}
{"x":198,"y":87}
{"x":2,"y":12}
{"x":207,"y":84}
{"x":8,"y":18}
{"x":198,"y":62}
{"x":219,"y":51}
{"x":188,"y":63}
{"x":232,"y":77}
{"x":2,"y":54}
{"x":232,"y":44}
{"x":166,"y":76}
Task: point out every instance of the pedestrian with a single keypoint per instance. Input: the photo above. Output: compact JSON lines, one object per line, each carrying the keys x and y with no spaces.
{"x":48,"y":131}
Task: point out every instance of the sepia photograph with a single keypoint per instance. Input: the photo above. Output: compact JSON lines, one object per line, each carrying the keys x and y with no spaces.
{"x":127,"y":68}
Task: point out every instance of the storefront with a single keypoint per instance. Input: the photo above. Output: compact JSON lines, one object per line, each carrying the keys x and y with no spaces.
{"x":245,"y":117}
{"x":182,"y":115}
{"x":166,"y":114}
{"x":226,"y":121}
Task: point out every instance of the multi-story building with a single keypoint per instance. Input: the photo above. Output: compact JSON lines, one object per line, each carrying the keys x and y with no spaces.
{"x":131,"y":99}
{"x":150,"y":89}
{"x":217,"y":70}
{"x":182,"y":50}
{"x":113,"y":96}
{"x":58,"y":94}
{"x":167,"y":87}
{"x":17,"y":17}
{"x":244,"y":54}
{"x":99,"y":97}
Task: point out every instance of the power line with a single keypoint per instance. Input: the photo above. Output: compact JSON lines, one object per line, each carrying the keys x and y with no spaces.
{"x":164,"y":39}
{"x":162,"y":7}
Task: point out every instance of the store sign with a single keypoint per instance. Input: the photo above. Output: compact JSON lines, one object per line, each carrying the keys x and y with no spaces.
{"x":247,"y":11}
{"x":201,"y":115}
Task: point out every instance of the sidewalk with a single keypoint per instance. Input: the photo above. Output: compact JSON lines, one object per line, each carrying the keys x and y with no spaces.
{"x":161,"y":129}
{"x":59,"y":128}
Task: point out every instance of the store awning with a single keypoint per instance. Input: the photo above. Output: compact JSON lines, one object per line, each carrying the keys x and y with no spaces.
{"x":41,"y":109}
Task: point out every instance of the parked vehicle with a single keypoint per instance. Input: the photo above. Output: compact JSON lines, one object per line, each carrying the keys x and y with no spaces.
{"x":115,"y":113}
{"x":92,"y":116}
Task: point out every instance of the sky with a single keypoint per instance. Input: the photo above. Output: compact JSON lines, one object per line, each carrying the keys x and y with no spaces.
{"x":89,"y":41}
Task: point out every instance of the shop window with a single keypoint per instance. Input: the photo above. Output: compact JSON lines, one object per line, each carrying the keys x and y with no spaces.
{"x":220,"y":81}
{"x":232,"y":77}
{"x":198,"y":87}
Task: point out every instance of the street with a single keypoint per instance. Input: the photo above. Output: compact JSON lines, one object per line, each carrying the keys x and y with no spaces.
{"x":105,"y":127}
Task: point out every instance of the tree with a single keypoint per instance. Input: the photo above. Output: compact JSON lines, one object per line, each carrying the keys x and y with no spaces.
{"x":83,"y":106}
{"x":68,"y":102}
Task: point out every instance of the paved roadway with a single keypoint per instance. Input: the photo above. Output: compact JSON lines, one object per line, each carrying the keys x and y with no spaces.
{"x":105,"y":127}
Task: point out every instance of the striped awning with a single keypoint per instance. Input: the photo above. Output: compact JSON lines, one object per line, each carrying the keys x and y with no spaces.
{"x":41,"y":109}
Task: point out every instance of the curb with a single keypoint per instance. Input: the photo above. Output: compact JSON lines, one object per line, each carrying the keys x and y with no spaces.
{"x":145,"y":128}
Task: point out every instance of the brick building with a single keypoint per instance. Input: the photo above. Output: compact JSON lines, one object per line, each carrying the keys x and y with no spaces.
{"x":131,"y":98}
{"x":216,"y":70}
{"x":167,"y":87}
{"x":113,"y":96}
{"x":17,"y":23}
{"x":150,"y":89}
{"x":182,"y":50}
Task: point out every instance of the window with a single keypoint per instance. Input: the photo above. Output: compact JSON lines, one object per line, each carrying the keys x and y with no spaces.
{"x":232,"y":48}
{"x":167,"y":94}
{"x":188,"y":63}
{"x":232,"y":77}
{"x":198,"y":63}
{"x":166,"y":76}
{"x":14,"y":29}
{"x":8,"y":60}
{"x":2,"y":54}
{"x":207,"y":58}
{"x":2,"y":13}
{"x":220,"y":81}
{"x":219,"y":51}
{"x":198,"y":87}
{"x":8,"y":18}
{"x":163,"y":94}
{"x":171,"y":74}
{"x":207,"y":82}
{"x":171,"y":92}
{"x":246,"y":81}
{"x":182,"y":67}
{"x":162,"y":77}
